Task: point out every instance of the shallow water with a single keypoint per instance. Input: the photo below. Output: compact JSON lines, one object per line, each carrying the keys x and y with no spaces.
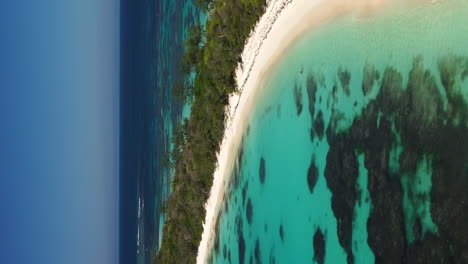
{"x":350,"y":155}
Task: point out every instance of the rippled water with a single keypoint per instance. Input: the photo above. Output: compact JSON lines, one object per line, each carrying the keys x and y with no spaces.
{"x":153,"y":33}
{"x":357,"y":150}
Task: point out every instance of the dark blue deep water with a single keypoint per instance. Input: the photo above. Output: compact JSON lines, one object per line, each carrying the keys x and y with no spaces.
{"x":152,"y":34}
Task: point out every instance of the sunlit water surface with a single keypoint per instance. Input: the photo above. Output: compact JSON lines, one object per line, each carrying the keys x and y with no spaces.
{"x":367,"y":95}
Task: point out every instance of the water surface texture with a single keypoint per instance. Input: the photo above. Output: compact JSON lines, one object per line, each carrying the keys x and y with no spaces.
{"x":152,"y":36}
{"x":357,"y":150}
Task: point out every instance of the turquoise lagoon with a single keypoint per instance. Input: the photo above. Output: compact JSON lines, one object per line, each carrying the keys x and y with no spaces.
{"x":346,"y":156}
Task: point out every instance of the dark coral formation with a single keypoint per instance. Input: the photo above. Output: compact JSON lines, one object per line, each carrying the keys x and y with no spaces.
{"x":281,"y":232}
{"x":249,"y":211}
{"x":391,"y":91}
{"x":272,"y":256}
{"x":262,"y":170}
{"x":298,"y":98}
{"x":341,"y":172}
{"x":311,"y":93}
{"x":370,"y":76}
{"x":431,"y":249}
{"x":312,"y":176}
{"x":344,"y":76}
{"x":257,"y":253}
{"x":450,"y":169}
{"x":240,"y":239}
{"x":272,"y":259}
{"x":418,"y":121}
{"x":319,"y":246}
{"x":244,"y":192}
{"x":318,"y":125}
{"x":385,"y":225}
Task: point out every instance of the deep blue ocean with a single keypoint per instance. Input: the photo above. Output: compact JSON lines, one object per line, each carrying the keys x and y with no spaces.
{"x":152,"y":34}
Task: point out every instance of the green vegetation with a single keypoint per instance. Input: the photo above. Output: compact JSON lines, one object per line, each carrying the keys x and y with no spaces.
{"x":213,"y":55}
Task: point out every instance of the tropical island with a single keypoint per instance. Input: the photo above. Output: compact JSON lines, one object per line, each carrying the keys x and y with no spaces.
{"x":382,"y":169}
{"x":213,"y":55}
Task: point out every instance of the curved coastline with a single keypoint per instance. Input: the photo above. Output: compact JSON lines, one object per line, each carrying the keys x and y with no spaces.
{"x":283,"y":23}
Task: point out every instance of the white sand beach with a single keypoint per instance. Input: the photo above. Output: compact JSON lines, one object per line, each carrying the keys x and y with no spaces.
{"x":283,"y":23}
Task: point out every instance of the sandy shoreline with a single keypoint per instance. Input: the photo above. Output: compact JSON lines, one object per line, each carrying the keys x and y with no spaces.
{"x":283,"y":23}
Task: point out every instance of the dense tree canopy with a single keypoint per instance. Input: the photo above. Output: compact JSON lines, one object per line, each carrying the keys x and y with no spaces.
{"x":213,"y":55}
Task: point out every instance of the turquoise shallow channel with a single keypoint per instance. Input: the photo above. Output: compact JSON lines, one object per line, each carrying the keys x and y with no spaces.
{"x":357,"y":148}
